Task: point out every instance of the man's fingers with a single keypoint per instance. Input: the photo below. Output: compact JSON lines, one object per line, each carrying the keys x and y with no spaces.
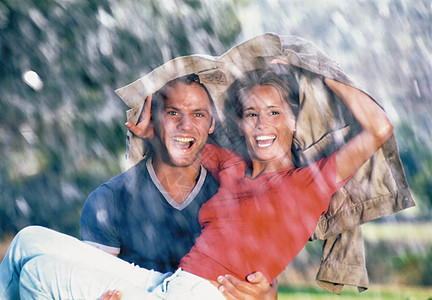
{"x":257,"y":277}
{"x":256,"y":287}
{"x":146,"y":113}
{"x":227,"y":288}
{"x":279,"y":61}
{"x":111,"y":295}
{"x":135,"y":129}
{"x":234,"y":287}
{"x":144,"y":128}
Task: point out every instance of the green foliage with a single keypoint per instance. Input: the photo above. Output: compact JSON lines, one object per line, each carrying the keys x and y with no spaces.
{"x":374,"y":293}
{"x":417,"y":268}
{"x":62,"y":137}
{"x":61,"y":140}
{"x":417,"y":160}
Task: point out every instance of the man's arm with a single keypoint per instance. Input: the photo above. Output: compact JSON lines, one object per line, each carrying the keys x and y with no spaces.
{"x":97,"y":222}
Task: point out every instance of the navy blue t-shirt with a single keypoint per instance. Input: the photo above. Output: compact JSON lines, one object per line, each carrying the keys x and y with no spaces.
{"x":133,"y":216}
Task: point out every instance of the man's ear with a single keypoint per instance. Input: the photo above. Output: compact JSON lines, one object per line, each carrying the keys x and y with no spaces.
{"x":151,"y":130}
{"x":212,"y":126}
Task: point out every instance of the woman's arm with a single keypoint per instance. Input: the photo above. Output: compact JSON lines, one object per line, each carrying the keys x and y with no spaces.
{"x":218,"y":159}
{"x":376,"y":128}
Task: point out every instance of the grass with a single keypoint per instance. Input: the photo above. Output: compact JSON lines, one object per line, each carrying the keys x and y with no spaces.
{"x":404,"y":240}
{"x":374,"y":293}
{"x":416,"y":232}
{"x":408,"y":233}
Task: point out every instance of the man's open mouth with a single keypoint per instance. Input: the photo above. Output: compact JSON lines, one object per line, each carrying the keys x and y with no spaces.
{"x":184,"y":142}
{"x":265,"y":140}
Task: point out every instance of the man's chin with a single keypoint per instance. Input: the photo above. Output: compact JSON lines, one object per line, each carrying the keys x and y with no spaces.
{"x":182,"y":162}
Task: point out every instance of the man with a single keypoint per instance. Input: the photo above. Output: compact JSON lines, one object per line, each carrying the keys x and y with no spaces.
{"x":149,"y":214}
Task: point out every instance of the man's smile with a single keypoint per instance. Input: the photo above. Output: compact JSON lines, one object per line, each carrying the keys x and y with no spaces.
{"x":184,"y":142}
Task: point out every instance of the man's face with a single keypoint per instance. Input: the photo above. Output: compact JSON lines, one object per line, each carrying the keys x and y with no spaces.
{"x":183,"y":123}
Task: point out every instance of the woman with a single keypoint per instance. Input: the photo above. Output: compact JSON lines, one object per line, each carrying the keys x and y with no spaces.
{"x":277,"y":206}
{"x":265,"y":209}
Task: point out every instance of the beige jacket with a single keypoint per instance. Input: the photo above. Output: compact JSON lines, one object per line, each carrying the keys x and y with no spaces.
{"x":378,"y":189}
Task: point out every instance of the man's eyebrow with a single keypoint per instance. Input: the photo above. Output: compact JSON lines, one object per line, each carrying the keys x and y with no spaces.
{"x":195,"y":110}
{"x":202,"y":109}
{"x":171,"y":107}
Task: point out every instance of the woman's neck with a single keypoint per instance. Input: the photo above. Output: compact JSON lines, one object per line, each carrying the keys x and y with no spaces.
{"x":259,"y":167}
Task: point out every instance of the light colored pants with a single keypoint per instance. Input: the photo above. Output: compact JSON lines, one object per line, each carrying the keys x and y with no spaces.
{"x":44,"y":264}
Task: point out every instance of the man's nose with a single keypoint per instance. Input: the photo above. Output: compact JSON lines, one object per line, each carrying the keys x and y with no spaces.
{"x":186,"y":122}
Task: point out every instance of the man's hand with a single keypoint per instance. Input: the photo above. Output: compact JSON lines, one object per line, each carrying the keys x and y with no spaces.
{"x":256,"y":287}
{"x":144,"y":128}
{"x":111,"y":295}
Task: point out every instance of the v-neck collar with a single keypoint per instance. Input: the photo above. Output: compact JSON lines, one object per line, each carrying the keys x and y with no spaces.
{"x":168,"y":198}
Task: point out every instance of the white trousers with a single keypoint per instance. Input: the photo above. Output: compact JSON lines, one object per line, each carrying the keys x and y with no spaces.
{"x":44,"y":264}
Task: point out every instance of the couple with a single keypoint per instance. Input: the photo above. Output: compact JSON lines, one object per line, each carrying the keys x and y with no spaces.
{"x":262,"y":215}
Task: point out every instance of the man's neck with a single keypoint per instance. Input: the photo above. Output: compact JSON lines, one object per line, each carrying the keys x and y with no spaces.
{"x":177,"y":181}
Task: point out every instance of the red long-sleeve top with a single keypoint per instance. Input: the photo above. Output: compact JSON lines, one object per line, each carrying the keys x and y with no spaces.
{"x":258,"y":224}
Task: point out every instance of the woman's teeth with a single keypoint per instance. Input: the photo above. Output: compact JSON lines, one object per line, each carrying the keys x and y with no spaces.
{"x":265,"y":140}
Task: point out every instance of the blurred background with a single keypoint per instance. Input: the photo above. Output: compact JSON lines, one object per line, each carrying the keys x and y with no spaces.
{"x":62,"y":129}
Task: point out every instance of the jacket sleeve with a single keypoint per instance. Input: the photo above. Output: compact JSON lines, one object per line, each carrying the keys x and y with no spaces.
{"x":378,"y":189}
{"x":343,"y":262}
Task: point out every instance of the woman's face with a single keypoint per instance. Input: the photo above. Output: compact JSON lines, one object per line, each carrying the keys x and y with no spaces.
{"x":267,"y":124}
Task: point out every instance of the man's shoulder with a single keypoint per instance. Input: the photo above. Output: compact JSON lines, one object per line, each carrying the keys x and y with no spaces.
{"x":210,"y":184}
{"x":123,"y":182}
{"x":133,"y":174}
{"x":209,"y":179}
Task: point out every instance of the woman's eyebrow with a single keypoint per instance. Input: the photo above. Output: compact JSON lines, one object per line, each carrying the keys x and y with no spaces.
{"x":249,"y":108}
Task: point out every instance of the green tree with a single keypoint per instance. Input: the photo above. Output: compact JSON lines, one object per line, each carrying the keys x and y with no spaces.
{"x":61,"y":128}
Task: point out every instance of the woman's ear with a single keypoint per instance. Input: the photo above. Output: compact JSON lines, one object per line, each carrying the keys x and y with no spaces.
{"x":240,"y":130}
{"x":292,"y":123}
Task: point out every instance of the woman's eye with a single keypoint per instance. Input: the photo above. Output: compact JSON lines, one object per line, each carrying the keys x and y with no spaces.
{"x":250,"y":115}
{"x":274,"y":113}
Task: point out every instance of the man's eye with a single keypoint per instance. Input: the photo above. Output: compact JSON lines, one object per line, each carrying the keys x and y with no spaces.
{"x":274,"y":113}
{"x":250,"y":115}
{"x":172,"y":113}
{"x":200,"y":115}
